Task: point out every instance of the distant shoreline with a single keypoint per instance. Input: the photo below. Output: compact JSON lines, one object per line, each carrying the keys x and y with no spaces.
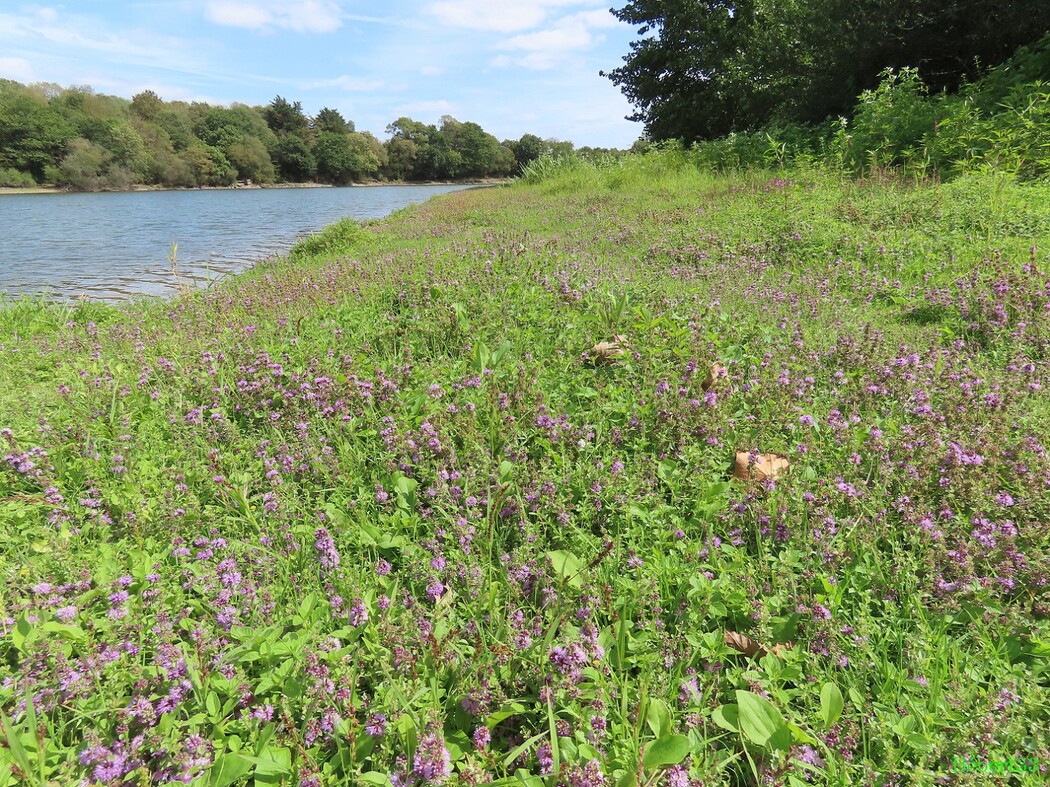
{"x":255,"y":187}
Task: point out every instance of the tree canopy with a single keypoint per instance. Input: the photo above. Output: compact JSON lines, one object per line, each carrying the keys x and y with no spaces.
{"x":705,"y":68}
{"x":77,"y":138}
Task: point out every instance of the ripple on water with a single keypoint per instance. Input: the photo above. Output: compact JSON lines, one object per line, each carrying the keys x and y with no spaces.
{"x":112,"y":247}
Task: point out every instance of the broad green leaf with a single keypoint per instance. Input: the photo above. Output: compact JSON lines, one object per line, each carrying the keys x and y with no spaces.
{"x":307,"y":605}
{"x":904,"y":726}
{"x":508,"y":710}
{"x":856,"y":697}
{"x":666,"y":750}
{"x":830,"y":703}
{"x":761,"y":722}
{"x":506,"y":470}
{"x":918,"y":742}
{"x":785,"y":628}
{"x":658,"y":717}
{"x":567,"y":565}
{"x":374,"y":777}
{"x":273,"y":761}
{"x":228,"y":769}
{"x":22,"y":630}
{"x":727,"y":717}
{"x":665,"y":470}
{"x":73,"y":633}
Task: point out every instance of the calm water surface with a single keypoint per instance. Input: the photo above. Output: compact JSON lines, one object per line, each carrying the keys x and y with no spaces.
{"x":114,"y":246}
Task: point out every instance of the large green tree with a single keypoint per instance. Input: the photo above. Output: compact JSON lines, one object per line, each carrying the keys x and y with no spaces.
{"x":703,"y":68}
{"x":344,"y":158}
{"x":33,"y":136}
{"x":329,"y":119}
{"x":285,"y":117}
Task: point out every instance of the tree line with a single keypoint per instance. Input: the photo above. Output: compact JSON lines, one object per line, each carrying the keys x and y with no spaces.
{"x":702,"y":69}
{"x":79,"y":139}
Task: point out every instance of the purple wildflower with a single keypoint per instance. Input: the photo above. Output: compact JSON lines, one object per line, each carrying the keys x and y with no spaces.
{"x":376,"y":726}
{"x":432,"y":761}
{"x":326,"y":550}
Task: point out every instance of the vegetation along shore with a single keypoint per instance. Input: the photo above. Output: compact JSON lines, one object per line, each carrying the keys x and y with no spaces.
{"x":76,"y":139}
{"x":384,"y":511}
{"x":712,"y":465}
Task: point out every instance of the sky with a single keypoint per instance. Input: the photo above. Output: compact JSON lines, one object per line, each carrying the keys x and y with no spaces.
{"x":512,"y":66}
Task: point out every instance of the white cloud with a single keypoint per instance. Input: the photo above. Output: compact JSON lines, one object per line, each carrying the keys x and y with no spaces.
{"x":546,"y":49}
{"x":76,"y":35}
{"x":484,"y":15}
{"x":347,"y":83}
{"x":431,"y":71}
{"x":300,"y":16}
{"x":430,"y":108}
{"x":48,"y":15}
{"x":233,"y":14}
{"x":496,"y":15}
{"x":16,"y":68}
{"x":557,"y":40}
{"x":599,"y":17}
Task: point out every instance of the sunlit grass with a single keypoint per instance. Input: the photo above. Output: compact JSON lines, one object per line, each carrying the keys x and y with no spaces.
{"x":375,"y":514}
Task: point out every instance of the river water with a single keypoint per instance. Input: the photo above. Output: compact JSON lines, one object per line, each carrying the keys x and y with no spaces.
{"x":115,"y":246}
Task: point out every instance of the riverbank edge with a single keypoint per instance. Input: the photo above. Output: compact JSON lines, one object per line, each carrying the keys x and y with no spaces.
{"x":257,"y":187}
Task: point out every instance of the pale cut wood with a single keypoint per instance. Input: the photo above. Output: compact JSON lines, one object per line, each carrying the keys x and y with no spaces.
{"x":770,"y":466}
{"x":716,"y":373}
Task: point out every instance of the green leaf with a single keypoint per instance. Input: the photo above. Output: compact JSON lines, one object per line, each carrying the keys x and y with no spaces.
{"x":228,"y":769}
{"x":374,"y":777}
{"x":830,"y":703}
{"x":211,"y":702}
{"x":658,"y":717}
{"x":508,"y":710}
{"x":506,"y":470}
{"x":918,"y":742}
{"x":567,"y":565}
{"x":761,"y":722}
{"x":856,"y":697}
{"x":514,"y":754}
{"x":23,"y":628}
{"x":665,"y":470}
{"x":727,"y":717}
{"x":666,"y":750}
{"x":785,"y":629}
{"x":498,"y":355}
{"x":73,"y":633}
{"x":273,"y":761}
{"x":14,"y":743}
{"x":307,"y":605}
{"x":904,"y":726}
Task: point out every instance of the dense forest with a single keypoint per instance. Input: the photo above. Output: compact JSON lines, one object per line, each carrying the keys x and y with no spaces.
{"x":79,"y":139}
{"x":702,"y":69}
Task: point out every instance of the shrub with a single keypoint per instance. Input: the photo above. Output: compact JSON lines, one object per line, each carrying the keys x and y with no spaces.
{"x":12,"y":178}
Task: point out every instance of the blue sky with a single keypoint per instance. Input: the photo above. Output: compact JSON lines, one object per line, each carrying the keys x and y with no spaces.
{"x":513,"y":66}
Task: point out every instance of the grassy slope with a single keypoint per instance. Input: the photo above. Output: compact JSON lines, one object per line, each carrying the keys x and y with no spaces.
{"x":565,"y":550}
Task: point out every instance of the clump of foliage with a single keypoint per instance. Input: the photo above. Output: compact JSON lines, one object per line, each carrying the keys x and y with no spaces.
{"x":995,"y":124}
{"x":374,"y":517}
{"x":76,"y":138}
{"x":701,"y":70}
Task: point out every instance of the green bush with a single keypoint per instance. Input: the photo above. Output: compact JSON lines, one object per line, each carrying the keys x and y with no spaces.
{"x":339,"y":238}
{"x":12,"y":178}
{"x":892,"y":121}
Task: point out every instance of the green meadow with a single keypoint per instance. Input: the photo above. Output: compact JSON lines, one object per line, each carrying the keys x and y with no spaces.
{"x":482,"y":493}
